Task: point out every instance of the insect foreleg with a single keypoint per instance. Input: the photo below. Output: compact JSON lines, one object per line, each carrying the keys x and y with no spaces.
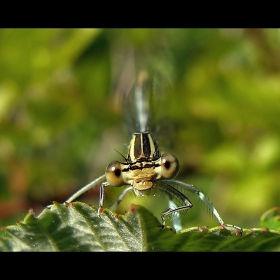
{"x":206,"y":201}
{"x":101,"y":196}
{"x":86,"y":188}
{"x":173,"y":192}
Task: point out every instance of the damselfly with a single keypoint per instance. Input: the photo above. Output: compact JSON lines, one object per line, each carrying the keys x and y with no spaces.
{"x":145,"y":169}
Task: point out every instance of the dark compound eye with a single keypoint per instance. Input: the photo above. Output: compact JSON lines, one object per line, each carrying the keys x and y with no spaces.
{"x":113,"y":173}
{"x":169,"y":166}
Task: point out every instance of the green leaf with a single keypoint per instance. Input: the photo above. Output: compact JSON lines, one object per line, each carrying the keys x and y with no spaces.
{"x":77,"y":227}
{"x":271,"y":219}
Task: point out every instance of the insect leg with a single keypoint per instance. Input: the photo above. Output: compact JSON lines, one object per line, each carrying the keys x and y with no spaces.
{"x":207,"y":202}
{"x":176,"y":220}
{"x":101,"y":196}
{"x":86,"y":188}
{"x":171,"y":192}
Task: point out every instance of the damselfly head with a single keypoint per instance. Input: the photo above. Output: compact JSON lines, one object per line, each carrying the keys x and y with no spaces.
{"x":143,"y":167}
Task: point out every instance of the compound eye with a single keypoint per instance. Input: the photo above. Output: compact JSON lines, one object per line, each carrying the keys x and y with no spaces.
{"x":113,"y":173}
{"x":169,"y":166}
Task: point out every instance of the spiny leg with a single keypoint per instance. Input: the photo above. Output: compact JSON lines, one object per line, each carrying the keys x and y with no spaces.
{"x":101,"y":197}
{"x":170,"y":211}
{"x":207,"y":202}
{"x":171,"y":192}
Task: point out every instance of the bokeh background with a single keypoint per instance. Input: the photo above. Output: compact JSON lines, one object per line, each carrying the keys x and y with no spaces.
{"x":217,"y":107}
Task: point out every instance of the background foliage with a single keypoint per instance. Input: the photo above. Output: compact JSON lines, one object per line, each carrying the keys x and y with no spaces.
{"x":218,"y":112}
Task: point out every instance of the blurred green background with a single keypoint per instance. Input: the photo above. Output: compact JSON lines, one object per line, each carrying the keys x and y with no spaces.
{"x":219,"y":113}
